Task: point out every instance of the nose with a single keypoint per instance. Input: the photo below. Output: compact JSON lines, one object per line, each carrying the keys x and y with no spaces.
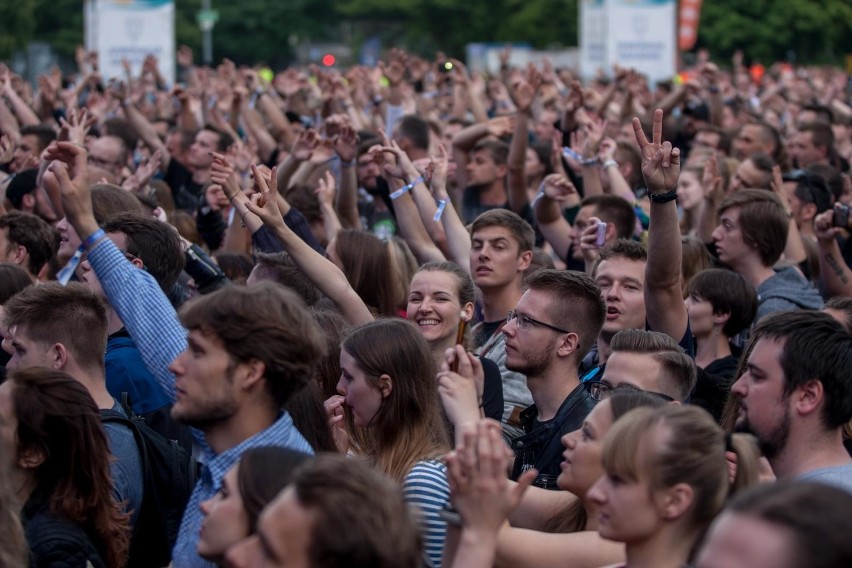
{"x":716,"y":234}
{"x":568,"y":441}
{"x":177,"y":367}
{"x":239,"y":555}
{"x":596,"y":493}
{"x":205,"y":506}
{"x":341,"y":386}
{"x":738,"y":388}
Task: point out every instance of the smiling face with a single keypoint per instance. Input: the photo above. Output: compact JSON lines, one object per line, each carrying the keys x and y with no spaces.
{"x":622,"y":284}
{"x":225,"y":519}
{"x":362,"y":398}
{"x":434,"y":306}
{"x":583,"y":449}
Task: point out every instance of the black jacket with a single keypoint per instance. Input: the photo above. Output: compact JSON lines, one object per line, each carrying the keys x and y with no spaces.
{"x":55,"y":542}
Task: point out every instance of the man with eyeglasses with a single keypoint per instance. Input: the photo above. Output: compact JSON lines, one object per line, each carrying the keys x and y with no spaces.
{"x":553,"y":326}
{"x":109,"y":153}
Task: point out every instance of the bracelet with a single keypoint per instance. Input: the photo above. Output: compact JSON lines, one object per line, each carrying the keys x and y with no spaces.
{"x":406,"y":188}
{"x":590,"y":161}
{"x":663,"y":197}
{"x":348,"y":164}
{"x":93,"y":238}
{"x":570,"y":154}
{"x":231,"y":197}
{"x":610,"y":163}
{"x":442,"y":204}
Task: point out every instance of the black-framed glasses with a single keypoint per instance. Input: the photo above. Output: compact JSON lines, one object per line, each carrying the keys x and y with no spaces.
{"x":524,"y":322}
{"x":601,"y":390}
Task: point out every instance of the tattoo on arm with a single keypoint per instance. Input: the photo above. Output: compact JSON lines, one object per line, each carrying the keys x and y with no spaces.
{"x":837,"y":268}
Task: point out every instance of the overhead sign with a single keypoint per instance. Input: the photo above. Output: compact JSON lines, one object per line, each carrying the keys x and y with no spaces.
{"x":131,"y":29}
{"x":639,"y":34}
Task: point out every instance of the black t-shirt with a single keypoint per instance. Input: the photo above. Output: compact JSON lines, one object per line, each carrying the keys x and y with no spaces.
{"x":185,"y":191}
{"x":492,"y":391}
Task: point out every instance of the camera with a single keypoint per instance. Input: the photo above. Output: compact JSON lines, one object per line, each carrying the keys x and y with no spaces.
{"x":841,"y":216}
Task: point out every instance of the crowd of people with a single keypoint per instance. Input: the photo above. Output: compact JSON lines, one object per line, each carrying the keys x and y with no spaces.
{"x":409,"y":316}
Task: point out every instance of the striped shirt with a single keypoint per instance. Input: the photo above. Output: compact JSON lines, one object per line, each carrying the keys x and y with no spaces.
{"x":426,"y":488}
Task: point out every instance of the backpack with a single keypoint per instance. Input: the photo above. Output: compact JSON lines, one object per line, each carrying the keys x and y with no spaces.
{"x":169,"y":474}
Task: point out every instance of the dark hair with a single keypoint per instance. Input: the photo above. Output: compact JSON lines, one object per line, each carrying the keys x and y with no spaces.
{"x":842,"y":304}
{"x":236,"y":265}
{"x":34,"y":234}
{"x":109,"y":200}
{"x":763,"y":221}
{"x":497,"y":150}
{"x":13,"y":279}
{"x":816,"y":347}
{"x":825,"y":113}
{"x":821,"y":134}
{"x":575,"y":303}
{"x":678,"y":372}
{"x":122,"y":129}
{"x":279,"y":267}
{"x":225,"y":140}
{"x":44,"y":132}
{"x":466,"y":291}
{"x":306,"y":410}
{"x":615,"y":210}
{"x":832,"y":177}
{"x":814,"y":518}
{"x":811,"y":188}
{"x":522,"y":232}
{"x":415,"y":129}
{"x":362,"y":519}
{"x":622,"y":248}
{"x":155,"y":243}
{"x":265,"y":322}
{"x":335,"y":328}
{"x":72,"y":315}
{"x":262,"y":473}
{"x":728,"y":293}
{"x":367,"y":265}
{"x":58,"y":418}
{"x":13,"y":543}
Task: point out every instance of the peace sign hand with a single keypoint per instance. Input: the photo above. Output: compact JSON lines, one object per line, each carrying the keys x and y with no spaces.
{"x":660,"y":162}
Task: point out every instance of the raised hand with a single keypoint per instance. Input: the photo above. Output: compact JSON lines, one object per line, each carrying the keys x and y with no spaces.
{"x":525,"y":91}
{"x":326,"y":190}
{"x":305,"y":144}
{"x":143,"y":173}
{"x":184,"y":56}
{"x":501,"y":126}
{"x":263,"y":203}
{"x":222,"y":172}
{"x":69,"y":173}
{"x":660,"y":162}
{"x":558,"y":187}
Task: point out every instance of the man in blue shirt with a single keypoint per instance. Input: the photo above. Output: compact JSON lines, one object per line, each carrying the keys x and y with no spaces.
{"x":247,"y":350}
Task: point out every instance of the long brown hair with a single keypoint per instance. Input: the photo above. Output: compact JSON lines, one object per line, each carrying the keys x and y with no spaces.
{"x":13,"y":544}
{"x":368,"y":267}
{"x":58,"y":418}
{"x":408,"y":426}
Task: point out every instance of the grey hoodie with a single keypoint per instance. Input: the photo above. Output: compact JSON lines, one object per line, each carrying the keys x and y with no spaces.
{"x":787,"y":290}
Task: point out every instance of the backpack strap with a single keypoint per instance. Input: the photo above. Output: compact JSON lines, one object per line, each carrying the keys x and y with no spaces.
{"x":125,"y":404}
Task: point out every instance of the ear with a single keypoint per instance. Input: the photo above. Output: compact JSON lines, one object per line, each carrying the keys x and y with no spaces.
{"x":502,"y":170}
{"x":31,"y":458}
{"x":20,"y":255}
{"x":385,"y":385}
{"x":721,"y":319}
{"x":676,"y":501}
{"x":468,"y":309}
{"x":59,"y":356}
{"x":28,"y":202}
{"x":524,"y":260}
{"x":255,"y":371}
{"x":137,"y":262}
{"x":568,"y":344}
{"x":809,"y":397}
{"x":610,"y":234}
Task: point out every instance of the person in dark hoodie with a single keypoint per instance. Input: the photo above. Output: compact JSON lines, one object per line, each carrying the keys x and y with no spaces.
{"x":750,"y":238}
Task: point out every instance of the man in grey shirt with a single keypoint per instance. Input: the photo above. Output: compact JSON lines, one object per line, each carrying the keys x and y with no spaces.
{"x":796,"y":396}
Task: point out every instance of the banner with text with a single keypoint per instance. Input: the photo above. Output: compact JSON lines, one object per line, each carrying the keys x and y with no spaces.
{"x":131,"y":29}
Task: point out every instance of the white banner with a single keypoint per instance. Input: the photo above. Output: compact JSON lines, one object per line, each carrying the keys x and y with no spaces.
{"x":639,"y":34}
{"x":131,"y":29}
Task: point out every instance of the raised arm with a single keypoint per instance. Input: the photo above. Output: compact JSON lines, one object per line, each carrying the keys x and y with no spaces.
{"x":835,"y":274}
{"x":666,"y":310}
{"x":524,"y":96}
{"x":555,"y":190}
{"x":322,"y":272}
{"x":143,"y":127}
{"x":457,"y":235}
{"x":346,"y":147}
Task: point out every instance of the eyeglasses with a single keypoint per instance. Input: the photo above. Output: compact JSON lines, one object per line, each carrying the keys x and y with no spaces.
{"x":599,"y":391}
{"x":524,"y":322}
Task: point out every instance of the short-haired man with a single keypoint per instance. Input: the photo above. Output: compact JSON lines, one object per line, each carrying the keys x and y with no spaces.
{"x":796,"y":396}
{"x":783,"y":525}
{"x":331,"y":496}
{"x":757,"y":137}
{"x":28,"y":241}
{"x":500,"y":253}
{"x":812,"y":144}
{"x":649,"y":361}
{"x":553,"y":326}
{"x":487,"y":169}
{"x":65,"y":328}
{"x":750,"y":238}
{"x":109,"y":153}
{"x":412,"y":135}
{"x":247,"y":351}
{"x":34,"y":139}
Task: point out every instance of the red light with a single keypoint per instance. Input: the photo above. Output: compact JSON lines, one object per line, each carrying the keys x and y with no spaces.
{"x":328,"y":60}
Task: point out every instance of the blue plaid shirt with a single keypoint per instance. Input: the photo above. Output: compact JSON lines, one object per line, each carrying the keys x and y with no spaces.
{"x":154,"y":325}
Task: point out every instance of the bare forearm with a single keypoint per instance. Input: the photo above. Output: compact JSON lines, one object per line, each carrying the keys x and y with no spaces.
{"x":347,"y":197}
{"x":517,"y":157}
{"x":836,"y":276}
{"x":26,"y":115}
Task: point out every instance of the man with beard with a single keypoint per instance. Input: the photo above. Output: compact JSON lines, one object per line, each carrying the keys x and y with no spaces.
{"x":796,"y":396}
{"x":553,"y":326}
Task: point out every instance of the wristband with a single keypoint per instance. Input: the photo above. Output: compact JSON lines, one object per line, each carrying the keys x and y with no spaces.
{"x":570,"y":154}
{"x":406,"y":188}
{"x":663,"y":197}
{"x":590,"y":161}
{"x":93,"y":238}
{"x":609,"y":164}
{"x":442,"y":204}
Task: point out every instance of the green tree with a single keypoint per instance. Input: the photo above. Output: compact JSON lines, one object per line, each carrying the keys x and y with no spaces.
{"x":19,"y":23}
